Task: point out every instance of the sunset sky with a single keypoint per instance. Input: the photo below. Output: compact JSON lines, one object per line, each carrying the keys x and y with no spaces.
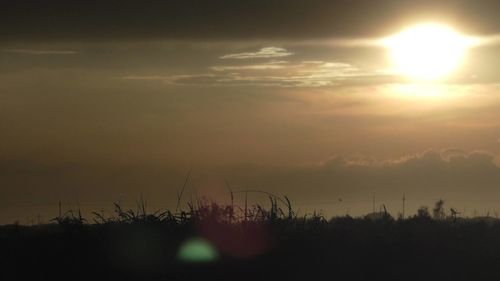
{"x":103,"y":101}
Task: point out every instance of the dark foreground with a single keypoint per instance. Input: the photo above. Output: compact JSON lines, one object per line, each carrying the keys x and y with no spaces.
{"x":283,"y":249}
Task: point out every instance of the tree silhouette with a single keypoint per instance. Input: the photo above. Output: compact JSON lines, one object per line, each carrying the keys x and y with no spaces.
{"x":438,"y":211}
{"x":423,"y":213}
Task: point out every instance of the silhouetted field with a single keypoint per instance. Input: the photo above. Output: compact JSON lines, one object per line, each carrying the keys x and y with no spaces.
{"x":213,"y":242}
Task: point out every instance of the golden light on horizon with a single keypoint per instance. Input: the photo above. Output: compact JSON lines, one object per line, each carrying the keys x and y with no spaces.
{"x":428,"y":52}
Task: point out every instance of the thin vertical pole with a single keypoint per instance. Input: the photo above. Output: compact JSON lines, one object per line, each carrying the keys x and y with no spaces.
{"x":60,"y":211}
{"x":374,"y":202}
{"x":246,"y":206}
{"x":404,"y":199}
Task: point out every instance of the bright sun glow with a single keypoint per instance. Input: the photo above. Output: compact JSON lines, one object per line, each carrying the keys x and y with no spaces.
{"x":428,"y":52}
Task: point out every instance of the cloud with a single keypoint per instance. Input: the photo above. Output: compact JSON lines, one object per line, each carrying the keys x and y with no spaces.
{"x":321,"y":74}
{"x":449,"y":156}
{"x":187,"y":79}
{"x":267,"y":52}
{"x":273,"y":73}
{"x":230,"y":19}
{"x":40,"y":52}
{"x":246,"y":67}
{"x":426,"y":176}
{"x":145,"y":77}
{"x":456,"y":175}
{"x":270,"y":65}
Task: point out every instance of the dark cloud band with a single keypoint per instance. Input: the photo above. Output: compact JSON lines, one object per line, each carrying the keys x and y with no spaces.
{"x":229,"y":19}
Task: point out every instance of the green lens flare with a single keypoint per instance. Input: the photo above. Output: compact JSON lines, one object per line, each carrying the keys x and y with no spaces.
{"x":197,"y":250}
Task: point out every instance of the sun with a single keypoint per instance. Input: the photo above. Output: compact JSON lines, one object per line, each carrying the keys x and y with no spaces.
{"x":428,"y":52}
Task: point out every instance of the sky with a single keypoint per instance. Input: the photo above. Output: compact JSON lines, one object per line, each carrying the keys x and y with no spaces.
{"x":108,"y":101}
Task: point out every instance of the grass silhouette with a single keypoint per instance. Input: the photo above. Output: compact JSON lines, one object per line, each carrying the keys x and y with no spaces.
{"x":251,"y":243}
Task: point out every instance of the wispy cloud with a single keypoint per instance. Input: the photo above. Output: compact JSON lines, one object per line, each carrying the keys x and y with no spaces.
{"x":144,"y":77}
{"x":187,"y":79}
{"x":40,"y":52}
{"x":287,"y":74}
{"x":301,"y":74}
{"x":267,"y":52}
{"x":261,"y":66}
{"x":273,"y":71}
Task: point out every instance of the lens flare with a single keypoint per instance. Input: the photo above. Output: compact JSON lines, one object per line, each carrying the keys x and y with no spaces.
{"x":197,"y":250}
